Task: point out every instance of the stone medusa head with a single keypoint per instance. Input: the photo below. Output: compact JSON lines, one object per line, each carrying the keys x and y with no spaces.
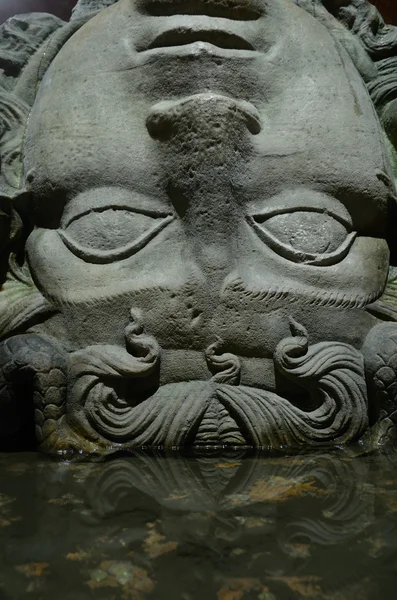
{"x":197,"y":225}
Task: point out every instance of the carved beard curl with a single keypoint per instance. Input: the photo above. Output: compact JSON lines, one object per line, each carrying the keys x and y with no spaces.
{"x":219,"y":412}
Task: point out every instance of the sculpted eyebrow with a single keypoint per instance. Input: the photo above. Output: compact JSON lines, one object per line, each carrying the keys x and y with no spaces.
{"x":101,"y":202}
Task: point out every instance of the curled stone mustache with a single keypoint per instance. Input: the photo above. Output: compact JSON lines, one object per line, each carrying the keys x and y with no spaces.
{"x":181,"y":414}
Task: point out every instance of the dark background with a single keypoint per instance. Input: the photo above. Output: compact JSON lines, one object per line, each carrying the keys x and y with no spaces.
{"x":62,"y":8}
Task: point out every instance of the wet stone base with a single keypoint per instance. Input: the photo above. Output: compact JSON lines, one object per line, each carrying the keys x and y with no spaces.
{"x":224,"y":527}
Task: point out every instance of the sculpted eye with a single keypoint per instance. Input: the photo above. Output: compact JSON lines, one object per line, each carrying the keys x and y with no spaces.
{"x":311,"y":236}
{"x":110,"y":234}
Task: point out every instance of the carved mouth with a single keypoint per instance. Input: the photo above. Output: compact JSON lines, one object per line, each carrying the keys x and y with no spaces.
{"x":238,"y":10}
{"x":183,"y":36}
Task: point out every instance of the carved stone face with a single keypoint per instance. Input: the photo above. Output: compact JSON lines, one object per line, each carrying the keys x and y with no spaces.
{"x":215,"y":174}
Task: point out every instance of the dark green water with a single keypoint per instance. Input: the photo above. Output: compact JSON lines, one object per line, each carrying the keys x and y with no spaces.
{"x":229,"y":528}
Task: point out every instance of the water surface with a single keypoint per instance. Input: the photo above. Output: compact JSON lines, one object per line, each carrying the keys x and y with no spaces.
{"x":226,"y":527}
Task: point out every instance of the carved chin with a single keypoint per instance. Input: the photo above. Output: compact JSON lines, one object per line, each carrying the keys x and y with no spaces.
{"x":219,"y":411}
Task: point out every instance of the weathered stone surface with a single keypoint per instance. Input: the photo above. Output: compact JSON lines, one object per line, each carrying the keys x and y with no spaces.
{"x":199,"y":207}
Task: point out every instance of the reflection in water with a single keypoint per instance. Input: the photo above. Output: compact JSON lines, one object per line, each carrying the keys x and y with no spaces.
{"x":229,"y":528}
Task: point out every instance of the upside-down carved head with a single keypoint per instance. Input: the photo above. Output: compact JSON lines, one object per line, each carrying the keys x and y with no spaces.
{"x":206,"y":191}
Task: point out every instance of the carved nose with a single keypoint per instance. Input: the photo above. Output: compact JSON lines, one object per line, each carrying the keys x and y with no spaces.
{"x":203,"y":142}
{"x":211,"y":113}
{"x":203,"y":139}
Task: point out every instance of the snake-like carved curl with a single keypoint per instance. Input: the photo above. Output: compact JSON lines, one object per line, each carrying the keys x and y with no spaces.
{"x":32,"y":390}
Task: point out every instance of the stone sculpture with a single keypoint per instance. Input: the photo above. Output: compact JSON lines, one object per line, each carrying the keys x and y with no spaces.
{"x":197,"y":227}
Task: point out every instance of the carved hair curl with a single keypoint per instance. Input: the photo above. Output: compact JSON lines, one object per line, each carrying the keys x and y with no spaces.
{"x":379,"y":41}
